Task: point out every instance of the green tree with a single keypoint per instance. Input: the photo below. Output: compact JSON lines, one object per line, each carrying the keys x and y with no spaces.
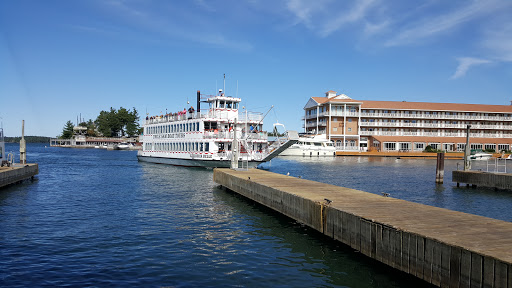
{"x":103,"y":124}
{"x":132,"y":125}
{"x":67,"y":131}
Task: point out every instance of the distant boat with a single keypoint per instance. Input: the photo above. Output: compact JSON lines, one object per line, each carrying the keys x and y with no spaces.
{"x":480,"y":156}
{"x":123,"y":146}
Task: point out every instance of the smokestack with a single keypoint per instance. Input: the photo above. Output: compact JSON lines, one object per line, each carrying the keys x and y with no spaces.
{"x":198,"y":102}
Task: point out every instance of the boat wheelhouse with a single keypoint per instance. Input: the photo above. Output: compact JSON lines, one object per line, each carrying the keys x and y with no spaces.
{"x":209,"y":138}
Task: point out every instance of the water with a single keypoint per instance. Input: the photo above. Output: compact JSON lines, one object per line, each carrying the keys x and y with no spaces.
{"x":100,"y":218}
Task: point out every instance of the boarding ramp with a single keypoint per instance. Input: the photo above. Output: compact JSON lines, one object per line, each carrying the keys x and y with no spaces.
{"x":282,"y":144}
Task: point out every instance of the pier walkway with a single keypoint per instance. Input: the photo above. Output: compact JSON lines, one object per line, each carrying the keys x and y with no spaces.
{"x":17,"y":173}
{"x":443,"y":247}
{"x":485,"y":179}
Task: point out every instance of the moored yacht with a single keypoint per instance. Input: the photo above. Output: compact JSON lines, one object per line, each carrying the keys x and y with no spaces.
{"x":213,"y":137}
{"x":311,"y":146}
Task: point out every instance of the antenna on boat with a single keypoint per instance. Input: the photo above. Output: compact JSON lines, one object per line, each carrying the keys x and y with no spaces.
{"x":224,"y":90}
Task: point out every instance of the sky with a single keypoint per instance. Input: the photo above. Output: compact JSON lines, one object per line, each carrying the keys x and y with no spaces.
{"x":61,"y":59}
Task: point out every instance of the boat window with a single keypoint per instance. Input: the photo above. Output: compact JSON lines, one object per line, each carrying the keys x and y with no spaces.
{"x":207,"y":147}
{"x":235,"y":105}
{"x":201,"y":146}
{"x":318,"y":144}
{"x":221,"y":105}
{"x":228,"y":105}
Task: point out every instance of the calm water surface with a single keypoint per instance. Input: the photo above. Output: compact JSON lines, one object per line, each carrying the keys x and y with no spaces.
{"x":100,"y":218}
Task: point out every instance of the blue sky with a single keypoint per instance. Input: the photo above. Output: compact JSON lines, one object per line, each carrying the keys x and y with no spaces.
{"x":61,"y":58}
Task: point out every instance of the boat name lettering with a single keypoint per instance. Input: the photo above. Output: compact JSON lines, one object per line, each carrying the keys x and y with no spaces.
{"x":170,"y":135}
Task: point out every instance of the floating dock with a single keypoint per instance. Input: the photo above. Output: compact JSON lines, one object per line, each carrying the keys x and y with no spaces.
{"x":443,"y":247}
{"x":484,"y":179}
{"x":17,"y":173}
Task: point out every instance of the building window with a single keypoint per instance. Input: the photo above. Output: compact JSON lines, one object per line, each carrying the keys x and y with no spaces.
{"x":349,"y":120}
{"x":349,"y":129}
{"x":419,"y":146}
{"x":335,"y":129}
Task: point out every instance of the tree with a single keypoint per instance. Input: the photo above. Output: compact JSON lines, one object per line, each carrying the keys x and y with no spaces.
{"x":132,"y":125}
{"x":103,"y":124}
{"x":67,"y":131}
{"x":120,"y":122}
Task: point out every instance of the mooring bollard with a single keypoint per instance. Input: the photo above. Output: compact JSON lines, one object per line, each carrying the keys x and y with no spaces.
{"x":440,"y":168}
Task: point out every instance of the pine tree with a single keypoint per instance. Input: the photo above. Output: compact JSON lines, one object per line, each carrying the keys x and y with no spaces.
{"x":67,"y":131}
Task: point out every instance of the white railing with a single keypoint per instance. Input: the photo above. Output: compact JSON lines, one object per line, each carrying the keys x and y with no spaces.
{"x":435,"y":116}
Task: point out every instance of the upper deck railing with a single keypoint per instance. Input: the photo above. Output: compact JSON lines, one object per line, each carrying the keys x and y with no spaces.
{"x":252,"y":117}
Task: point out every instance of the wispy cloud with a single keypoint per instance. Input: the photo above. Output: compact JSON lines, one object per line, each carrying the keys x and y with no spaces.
{"x":497,"y":41}
{"x":355,"y":14}
{"x":174,"y":22}
{"x":465,"y":63}
{"x":428,"y":27}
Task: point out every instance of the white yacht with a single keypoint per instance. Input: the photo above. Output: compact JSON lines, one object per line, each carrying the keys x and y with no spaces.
{"x":480,"y":156}
{"x":212,"y":137}
{"x":311,"y":146}
{"x":123,"y":146}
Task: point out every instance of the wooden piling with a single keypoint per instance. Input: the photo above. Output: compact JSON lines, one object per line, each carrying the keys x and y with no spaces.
{"x":440,"y":168}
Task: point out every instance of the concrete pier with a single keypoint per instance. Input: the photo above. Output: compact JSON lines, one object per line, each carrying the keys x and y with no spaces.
{"x":484,"y":179}
{"x":443,"y":247}
{"x":17,"y":173}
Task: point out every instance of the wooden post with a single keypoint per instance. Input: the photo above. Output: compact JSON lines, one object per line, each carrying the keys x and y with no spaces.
{"x":440,"y":168}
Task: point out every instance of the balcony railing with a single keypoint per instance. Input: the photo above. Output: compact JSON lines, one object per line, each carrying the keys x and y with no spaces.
{"x":434,"y":134}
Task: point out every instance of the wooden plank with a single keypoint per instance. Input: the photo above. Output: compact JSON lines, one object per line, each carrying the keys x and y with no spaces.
{"x":500,"y":275}
{"x":455,"y":266}
{"x":427,"y":266}
{"x":488,"y":273}
{"x":476,"y":270}
{"x":465,"y":268}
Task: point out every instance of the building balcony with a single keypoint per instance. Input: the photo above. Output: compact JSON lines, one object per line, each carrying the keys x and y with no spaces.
{"x":436,"y":116}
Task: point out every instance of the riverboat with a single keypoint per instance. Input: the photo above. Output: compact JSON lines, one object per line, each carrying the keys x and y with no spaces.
{"x":311,"y":146}
{"x":220,"y":136}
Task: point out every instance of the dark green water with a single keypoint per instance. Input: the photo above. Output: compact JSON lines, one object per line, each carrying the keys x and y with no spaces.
{"x":100,"y":218}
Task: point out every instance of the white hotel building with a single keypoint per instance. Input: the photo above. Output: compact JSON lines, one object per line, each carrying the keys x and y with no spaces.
{"x":407,"y":126}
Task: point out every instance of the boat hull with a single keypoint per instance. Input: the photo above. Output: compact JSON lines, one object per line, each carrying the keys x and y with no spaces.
{"x":193,"y":163}
{"x":307,"y":153}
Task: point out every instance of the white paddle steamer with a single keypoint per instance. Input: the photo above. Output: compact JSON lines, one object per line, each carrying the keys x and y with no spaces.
{"x":210,"y":138}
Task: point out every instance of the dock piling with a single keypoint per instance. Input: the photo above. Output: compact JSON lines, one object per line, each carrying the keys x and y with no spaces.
{"x":440,"y":168}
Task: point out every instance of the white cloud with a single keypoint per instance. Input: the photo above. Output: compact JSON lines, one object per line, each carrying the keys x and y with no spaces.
{"x":428,"y":27}
{"x":304,"y":10}
{"x":465,"y":63}
{"x":167,"y":20}
{"x":497,"y":41}
{"x":357,"y":13}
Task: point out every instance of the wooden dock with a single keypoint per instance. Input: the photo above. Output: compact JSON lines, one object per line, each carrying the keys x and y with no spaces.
{"x":484,"y":179}
{"x":17,"y":173}
{"x":443,"y":247}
